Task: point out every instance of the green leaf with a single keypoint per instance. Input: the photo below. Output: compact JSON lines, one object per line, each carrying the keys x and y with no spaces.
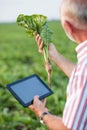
{"x":32,"y":23}
{"x":46,"y":35}
{"x":37,"y":23}
{"x":40,"y":21}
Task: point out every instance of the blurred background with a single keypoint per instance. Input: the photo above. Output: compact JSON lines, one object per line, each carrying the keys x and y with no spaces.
{"x":10,"y":9}
{"x":19,"y":58}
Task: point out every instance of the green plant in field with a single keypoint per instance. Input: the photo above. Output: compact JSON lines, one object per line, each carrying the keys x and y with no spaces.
{"x":38,"y":24}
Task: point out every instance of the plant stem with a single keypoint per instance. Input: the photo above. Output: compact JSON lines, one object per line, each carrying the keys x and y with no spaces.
{"x":47,"y":65}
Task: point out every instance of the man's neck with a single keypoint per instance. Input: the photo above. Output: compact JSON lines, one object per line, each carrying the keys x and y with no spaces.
{"x":81,"y":36}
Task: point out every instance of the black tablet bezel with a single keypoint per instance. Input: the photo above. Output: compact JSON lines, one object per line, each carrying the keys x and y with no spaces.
{"x":30,"y":102}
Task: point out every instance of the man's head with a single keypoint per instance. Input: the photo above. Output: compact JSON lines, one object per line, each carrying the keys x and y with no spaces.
{"x":74,"y":16}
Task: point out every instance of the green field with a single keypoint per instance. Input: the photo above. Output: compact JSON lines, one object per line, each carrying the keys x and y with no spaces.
{"x":19,"y":58}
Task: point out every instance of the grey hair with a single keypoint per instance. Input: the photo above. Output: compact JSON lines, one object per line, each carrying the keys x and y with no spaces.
{"x":77,"y":9}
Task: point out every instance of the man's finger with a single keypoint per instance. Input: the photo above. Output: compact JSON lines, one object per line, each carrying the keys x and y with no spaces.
{"x":36,"y":98}
{"x":41,"y":47}
{"x":44,"y":101}
{"x":37,"y":37}
{"x":31,"y":107}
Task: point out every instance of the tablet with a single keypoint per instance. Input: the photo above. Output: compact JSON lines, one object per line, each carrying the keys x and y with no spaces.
{"x":25,"y":89}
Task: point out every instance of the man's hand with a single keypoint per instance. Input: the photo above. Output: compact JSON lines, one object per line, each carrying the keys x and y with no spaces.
{"x":38,"y":106}
{"x":39,"y":42}
{"x":52,"y":122}
{"x":51,"y":50}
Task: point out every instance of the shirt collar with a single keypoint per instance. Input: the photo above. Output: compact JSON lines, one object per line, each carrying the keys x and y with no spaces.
{"x":81,"y":50}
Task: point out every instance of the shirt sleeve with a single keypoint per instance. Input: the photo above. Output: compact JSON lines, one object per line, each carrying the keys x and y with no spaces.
{"x":75,"y":111}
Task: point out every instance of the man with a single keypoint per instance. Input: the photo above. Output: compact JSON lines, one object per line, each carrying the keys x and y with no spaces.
{"x":74,"y":22}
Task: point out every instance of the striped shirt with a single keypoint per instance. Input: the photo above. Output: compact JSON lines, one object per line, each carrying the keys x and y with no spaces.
{"x":75,"y":111}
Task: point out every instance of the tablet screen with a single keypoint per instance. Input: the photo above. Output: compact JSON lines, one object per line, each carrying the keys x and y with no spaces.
{"x":25,"y":89}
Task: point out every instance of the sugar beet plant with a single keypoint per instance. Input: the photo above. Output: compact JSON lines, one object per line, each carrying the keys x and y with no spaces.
{"x":38,"y":24}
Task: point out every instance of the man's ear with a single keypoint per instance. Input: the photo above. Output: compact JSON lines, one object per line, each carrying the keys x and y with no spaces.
{"x":68,"y":26}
